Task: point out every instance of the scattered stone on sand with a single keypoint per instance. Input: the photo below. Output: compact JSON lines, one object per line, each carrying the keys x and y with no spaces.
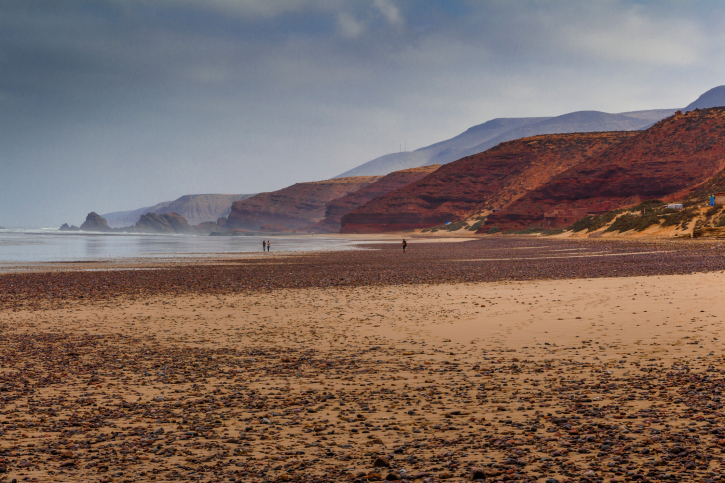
{"x":113,"y":376}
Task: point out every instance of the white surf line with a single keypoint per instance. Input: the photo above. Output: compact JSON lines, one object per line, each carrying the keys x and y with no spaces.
{"x":591,"y":255}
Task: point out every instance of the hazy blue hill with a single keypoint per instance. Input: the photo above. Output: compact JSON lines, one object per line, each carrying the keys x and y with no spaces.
{"x":715,"y":97}
{"x":580,"y":121}
{"x":120,"y":219}
{"x":195,"y":208}
{"x":441,"y":152}
{"x":652,"y":115}
{"x":487,"y":135}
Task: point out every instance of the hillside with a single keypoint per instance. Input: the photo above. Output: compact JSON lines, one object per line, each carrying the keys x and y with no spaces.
{"x":715,"y":97}
{"x":441,"y":152}
{"x":477,"y":184}
{"x":120,"y":219}
{"x":582,"y":121}
{"x":667,"y":161}
{"x":195,"y":208}
{"x":339,"y":207}
{"x":294,"y":207}
{"x":484,"y":136}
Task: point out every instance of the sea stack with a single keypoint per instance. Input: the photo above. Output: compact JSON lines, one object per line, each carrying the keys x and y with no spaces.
{"x":95,"y":222}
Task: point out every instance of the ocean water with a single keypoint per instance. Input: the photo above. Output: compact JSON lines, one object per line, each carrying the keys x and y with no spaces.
{"x":49,"y":245}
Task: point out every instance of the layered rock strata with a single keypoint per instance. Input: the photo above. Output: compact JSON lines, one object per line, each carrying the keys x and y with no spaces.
{"x":479,"y":183}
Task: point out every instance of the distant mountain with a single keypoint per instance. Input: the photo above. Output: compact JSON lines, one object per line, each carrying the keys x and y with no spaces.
{"x":652,"y":115}
{"x":580,"y":121}
{"x":487,"y":135}
{"x":442,"y":152}
{"x":715,"y":97}
{"x":195,"y":208}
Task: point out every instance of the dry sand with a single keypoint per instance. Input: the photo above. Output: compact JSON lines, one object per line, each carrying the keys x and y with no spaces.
{"x":604,"y":379}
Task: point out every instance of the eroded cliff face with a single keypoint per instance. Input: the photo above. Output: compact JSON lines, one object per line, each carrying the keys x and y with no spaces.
{"x":669,"y":160}
{"x":294,"y":207}
{"x":339,"y":207}
{"x":169,"y":223}
{"x":478,"y":183}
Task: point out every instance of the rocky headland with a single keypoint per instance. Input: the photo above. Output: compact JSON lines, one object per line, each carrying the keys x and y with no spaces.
{"x":196,"y":209}
{"x":294,"y":207}
{"x":170,"y":223}
{"x":339,"y":207}
{"x":152,"y":223}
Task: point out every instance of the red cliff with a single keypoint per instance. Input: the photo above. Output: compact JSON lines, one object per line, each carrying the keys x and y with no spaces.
{"x":674,"y":156}
{"x":478,"y":183}
{"x":339,"y":207}
{"x":296,"y":206}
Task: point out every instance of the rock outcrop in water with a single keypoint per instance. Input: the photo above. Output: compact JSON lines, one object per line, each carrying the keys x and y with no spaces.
{"x":479,"y":183}
{"x":294,"y":207}
{"x":95,"y":222}
{"x":166,"y":223}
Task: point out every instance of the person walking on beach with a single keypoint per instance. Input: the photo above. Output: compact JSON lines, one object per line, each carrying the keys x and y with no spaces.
{"x":264,"y":245}
{"x":405,"y":245}
{"x":269,"y":244}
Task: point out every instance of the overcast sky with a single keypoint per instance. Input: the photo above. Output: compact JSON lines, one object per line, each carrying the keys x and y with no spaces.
{"x":113,"y":105}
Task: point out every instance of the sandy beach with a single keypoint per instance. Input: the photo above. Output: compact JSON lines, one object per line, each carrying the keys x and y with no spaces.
{"x":513,"y":360}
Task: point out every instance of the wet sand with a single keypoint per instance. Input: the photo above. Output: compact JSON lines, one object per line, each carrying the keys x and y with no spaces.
{"x":531,"y":370}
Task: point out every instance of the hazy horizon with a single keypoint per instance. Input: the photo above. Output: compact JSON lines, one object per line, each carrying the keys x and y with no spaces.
{"x":115,"y":105}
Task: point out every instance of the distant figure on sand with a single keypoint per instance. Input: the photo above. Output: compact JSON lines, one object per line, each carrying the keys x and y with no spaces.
{"x":405,"y":245}
{"x":269,"y":244}
{"x":264,"y":245}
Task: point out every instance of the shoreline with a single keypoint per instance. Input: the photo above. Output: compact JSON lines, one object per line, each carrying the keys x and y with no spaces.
{"x":375,"y":264}
{"x":363,"y":242}
{"x":34,"y":252}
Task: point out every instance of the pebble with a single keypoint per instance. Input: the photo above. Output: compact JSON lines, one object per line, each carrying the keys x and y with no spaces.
{"x":86,"y":406}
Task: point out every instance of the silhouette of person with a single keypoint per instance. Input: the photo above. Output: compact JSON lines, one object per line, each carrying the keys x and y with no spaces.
{"x":264,"y":245}
{"x":269,"y":244}
{"x":405,"y":245}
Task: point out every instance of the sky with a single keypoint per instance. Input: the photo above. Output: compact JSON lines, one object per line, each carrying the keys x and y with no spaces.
{"x":119,"y":104}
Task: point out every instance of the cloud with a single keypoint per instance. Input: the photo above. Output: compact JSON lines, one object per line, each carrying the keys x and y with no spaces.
{"x":389,"y":11}
{"x":145,"y":100}
{"x":349,"y":26}
{"x":635,"y":34}
{"x":249,"y":9}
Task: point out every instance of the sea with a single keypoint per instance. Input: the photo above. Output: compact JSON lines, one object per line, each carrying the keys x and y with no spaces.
{"x":51,"y":245}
